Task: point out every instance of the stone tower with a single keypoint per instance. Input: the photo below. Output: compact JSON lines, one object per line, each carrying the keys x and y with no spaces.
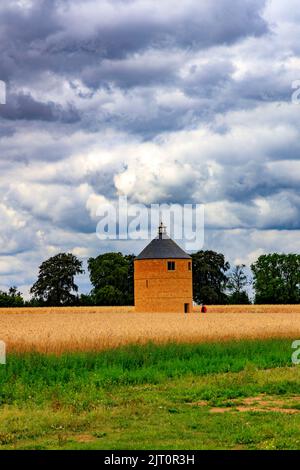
{"x":163,"y":277}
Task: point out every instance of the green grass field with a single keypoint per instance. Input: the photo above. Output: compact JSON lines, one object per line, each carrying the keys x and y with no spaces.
{"x":237,"y":395}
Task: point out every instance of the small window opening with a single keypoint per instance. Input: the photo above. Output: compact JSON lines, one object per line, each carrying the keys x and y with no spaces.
{"x":186,"y":308}
{"x":171,"y":265}
{"x":190,"y":266}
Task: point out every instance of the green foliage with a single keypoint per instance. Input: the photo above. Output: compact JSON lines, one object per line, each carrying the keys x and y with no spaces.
{"x":209,"y":277}
{"x":33,"y":302}
{"x":55,"y":282}
{"x":86,"y":300}
{"x":277,"y":279}
{"x":12,"y":298}
{"x":111,"y":274}
{"x":109,"y":295}
{"x":237,"y":279}
{"x":143,"y":397}
{"x":238,"y":298}
{"x":236,"y":285}
{"x":38,"y":375}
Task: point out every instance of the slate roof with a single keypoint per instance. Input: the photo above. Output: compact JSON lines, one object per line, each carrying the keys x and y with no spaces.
{"x":163,"y":247}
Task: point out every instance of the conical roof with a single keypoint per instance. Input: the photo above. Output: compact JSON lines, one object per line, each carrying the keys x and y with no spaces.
{"x":163,"y":247}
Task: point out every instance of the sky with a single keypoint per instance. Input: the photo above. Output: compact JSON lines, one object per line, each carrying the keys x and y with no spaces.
{"x":164,"y":102}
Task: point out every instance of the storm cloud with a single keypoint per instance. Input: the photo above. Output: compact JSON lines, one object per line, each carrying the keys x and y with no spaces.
{"x":159,"y":101}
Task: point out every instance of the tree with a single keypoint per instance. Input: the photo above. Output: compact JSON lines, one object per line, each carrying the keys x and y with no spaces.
{"x":12,"y":298}
{"x":237,"y":282}
{"x":277,"y":279}
{"x":86,"y":300}
{"x":209,"y":277}
{"x":55,"y":282}
{"x":239,"y":298}
{"x":111,"y":275}
{"x":109,"y":295}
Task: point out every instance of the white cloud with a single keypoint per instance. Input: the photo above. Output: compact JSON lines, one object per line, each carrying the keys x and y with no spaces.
{"x":160,"y":102}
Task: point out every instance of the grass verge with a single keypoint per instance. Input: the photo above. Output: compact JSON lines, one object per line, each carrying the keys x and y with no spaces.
{"x":164,"y":397}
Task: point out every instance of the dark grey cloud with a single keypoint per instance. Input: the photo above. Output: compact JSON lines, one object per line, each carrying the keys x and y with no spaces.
{"x":162,"y":101}
{"x":126,"y":74}
{"x":43,"y":37}
{"x":207,"y":80}
{"x":23,"y":106}
{"x":127,"y":45}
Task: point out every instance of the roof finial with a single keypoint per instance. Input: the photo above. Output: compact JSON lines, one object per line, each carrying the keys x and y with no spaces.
{"x":162,"y":230}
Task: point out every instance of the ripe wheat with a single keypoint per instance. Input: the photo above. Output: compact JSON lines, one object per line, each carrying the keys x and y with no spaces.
{"x":56,"y":330}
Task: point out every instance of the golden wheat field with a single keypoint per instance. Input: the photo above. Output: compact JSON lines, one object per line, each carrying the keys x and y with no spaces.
{"x":55,"y":330}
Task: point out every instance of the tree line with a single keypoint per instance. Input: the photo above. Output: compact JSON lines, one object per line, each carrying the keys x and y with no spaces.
{"x":275,"y":279}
